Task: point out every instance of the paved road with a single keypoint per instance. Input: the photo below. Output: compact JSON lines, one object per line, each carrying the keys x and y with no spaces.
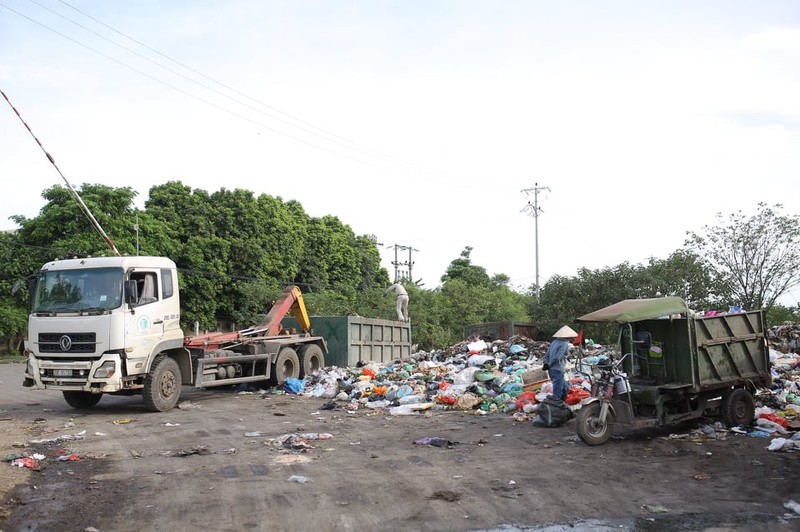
{"x":213,"y":464}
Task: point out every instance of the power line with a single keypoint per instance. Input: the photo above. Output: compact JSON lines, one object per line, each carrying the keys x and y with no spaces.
{"x":232,"y":89}
{"x":173,"y":87}
{"x":321,"y":133}
{"x":326,"y":135}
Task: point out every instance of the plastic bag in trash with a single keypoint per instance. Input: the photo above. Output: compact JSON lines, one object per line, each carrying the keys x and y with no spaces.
{"x":433,"y":441}
{"x":291,"y":385}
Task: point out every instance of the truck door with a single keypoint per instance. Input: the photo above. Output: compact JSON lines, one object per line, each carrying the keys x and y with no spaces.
{"x":144,"y":322}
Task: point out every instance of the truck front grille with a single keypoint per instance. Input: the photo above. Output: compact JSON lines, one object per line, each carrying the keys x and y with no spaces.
{"x":79,"y":343}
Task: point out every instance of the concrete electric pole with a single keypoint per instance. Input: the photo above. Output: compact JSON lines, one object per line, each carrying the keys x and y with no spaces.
{"x":534,"y":211}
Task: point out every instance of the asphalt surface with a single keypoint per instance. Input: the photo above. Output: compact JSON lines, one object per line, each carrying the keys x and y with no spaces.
{"x":227,"y":461}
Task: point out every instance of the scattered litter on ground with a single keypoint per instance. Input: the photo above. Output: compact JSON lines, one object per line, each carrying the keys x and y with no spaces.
{"x":59,"y":439}
{"x":793,"y":506}
{"x":445,"y":495}
{"x":435,"y":441}
{"x":505,"y":376}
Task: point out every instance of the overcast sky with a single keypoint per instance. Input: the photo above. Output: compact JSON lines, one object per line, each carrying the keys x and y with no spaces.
{"x":420,"y":121}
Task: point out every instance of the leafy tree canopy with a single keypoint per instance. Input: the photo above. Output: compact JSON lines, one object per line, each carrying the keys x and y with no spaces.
{"x":757,"y":257}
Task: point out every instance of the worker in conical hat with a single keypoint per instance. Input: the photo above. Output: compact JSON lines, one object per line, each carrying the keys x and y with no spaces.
{"x":555,"y":360}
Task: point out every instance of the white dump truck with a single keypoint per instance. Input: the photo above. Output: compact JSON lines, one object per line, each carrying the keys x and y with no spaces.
{"x":111,"y":325}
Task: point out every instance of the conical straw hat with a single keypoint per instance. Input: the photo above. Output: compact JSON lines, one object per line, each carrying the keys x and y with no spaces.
{"x":565,"y":332}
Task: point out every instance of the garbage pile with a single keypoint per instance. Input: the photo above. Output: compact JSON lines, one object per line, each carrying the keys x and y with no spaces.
{"x":506,"y":376}
{"x":778,"y":409}
{"x":474,"y":376}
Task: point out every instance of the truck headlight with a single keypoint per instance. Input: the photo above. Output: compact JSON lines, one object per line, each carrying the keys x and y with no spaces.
{"x":106,"y":371}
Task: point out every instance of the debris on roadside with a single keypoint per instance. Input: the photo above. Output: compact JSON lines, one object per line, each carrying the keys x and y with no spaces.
{"x":506,"y":377}
{"x":435,"y":441}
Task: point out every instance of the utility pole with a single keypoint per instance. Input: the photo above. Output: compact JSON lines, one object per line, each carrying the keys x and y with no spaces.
{"x":398,"y":274}
{"x":534,"y":211}
{"x":136,"y":228}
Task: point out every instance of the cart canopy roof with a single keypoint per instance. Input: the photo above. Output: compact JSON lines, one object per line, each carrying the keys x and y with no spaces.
{"x":636,"y":310}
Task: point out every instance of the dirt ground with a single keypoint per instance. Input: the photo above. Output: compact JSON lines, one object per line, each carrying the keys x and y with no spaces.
{"x":227,"y":461}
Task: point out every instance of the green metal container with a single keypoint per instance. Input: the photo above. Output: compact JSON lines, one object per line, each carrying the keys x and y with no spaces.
{"x":354,"y":339}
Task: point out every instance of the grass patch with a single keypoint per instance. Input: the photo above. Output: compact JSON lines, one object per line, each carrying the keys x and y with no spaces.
{"x":6,"y":358}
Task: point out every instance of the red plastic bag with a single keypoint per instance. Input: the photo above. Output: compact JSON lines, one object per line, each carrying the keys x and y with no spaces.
{"x":526,"y":398}
{"x":576,"y":395}
{"x":776,"y":419}
{"x":446,"y":399}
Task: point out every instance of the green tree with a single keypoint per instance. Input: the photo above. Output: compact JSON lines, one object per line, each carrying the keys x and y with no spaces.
{"x":463,"y":269}
{"x":331,"y":258}
{"x":18,"y":262}
{"x":428,"y":310}
{"x":62,"y":225}
{"x":685,"y":275}
{"x":372,"y":275}
{"x":778,"y":314}
{"x":757,"y":257}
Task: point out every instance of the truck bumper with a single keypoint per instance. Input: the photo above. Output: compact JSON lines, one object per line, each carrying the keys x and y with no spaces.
{"x":97,"y":376}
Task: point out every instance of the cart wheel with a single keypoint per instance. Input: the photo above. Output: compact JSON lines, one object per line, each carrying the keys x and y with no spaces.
{"x":590,"y":429}
{"x":738,"y":408}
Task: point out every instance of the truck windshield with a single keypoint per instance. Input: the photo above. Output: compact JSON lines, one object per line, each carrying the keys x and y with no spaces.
{"x":91,"y":289}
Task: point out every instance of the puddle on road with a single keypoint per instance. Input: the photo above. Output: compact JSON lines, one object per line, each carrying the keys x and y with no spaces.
{"x":744,"y":522}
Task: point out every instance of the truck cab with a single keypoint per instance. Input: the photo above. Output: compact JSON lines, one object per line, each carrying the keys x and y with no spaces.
{"x":96,"y":324}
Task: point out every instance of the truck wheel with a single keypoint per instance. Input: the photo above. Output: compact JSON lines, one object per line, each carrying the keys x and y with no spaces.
{"x":738,"y":408}
{"x":82,"y":399}
{"x":162,"y":386}
{"x":287,"y":366}
{"x":590,"y":429}
{"x":311,"y":359}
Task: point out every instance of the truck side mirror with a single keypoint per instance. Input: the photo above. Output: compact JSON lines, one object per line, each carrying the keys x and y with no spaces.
{"x":131,"y":292}
{"x":30,"y":281}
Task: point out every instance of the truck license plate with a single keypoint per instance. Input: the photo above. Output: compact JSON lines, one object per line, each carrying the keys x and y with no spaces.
{"x":62,"y":373}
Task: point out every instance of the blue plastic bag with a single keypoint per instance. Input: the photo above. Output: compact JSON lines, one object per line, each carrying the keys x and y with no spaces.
{"x":295,"y":386}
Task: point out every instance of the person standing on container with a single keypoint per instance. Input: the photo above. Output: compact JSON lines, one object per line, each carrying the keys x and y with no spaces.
{"x":555,"y":360}
{"x":402,"y":300}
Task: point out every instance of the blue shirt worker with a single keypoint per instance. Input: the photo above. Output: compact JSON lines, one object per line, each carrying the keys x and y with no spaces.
{"x":402,"y":300}
{"x":555,"y":360}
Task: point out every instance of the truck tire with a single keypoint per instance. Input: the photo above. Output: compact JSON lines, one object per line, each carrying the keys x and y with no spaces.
{"x":311,"y":359}
{"x":287,"y":366}
{"x":82,"y":399}
{"x":738,"y":408}
{"x":588,"y":425}
{"x":162,"y":386}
